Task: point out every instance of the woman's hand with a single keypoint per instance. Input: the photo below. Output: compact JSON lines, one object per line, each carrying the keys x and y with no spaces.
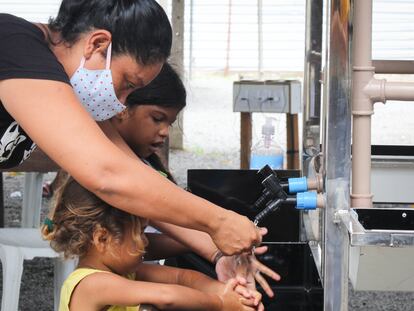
{"x":235,"y":234}
{"x":246,"y":266}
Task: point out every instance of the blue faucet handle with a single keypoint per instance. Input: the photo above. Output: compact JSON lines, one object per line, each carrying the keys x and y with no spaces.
{"x":299,"y":184}
{"x":306,"y":200}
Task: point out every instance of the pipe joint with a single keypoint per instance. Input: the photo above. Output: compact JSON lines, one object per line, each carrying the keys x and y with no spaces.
{"x":361,"y":200}
{"x":364,"y":68}
{"x":362,"y":113}
{"x":316,"y":183}
{"x":375,"y":90}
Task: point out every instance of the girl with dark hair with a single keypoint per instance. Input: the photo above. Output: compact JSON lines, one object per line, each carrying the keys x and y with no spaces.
{"x":144,"y":126}
{"x":150,"y":112}
{"x":56,"y":80}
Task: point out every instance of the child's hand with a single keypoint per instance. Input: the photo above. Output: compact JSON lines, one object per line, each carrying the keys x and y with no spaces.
{"x":233,"y":301}
{"x":251,"y":295}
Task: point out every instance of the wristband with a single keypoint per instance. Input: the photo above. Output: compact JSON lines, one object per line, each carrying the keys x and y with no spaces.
{"x":217,"y":256}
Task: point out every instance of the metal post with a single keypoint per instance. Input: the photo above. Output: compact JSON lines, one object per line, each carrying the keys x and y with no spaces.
{"x":337,"y":154}
{"x":311,"y":230}
{"x":177,"y":59}
{"x":312,"y":77}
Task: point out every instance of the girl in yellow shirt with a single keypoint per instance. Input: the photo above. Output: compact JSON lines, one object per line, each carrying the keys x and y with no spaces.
{"x":110,"y":244}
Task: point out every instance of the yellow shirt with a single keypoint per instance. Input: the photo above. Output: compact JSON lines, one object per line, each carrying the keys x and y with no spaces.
{"x":73,"y":279}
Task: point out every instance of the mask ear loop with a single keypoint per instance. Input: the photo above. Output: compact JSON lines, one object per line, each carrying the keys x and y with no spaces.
{"x":82,"y":62}
{"x":108,"y":56}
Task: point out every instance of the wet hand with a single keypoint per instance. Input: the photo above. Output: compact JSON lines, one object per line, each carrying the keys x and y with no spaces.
{"x":257,"y":268}
{"x":248,"y":267}
{"x":252,"y":297}
{"x":235,"y":234}
{"x":233,"y":301}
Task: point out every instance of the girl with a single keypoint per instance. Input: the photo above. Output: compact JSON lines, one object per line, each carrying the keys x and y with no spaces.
{"x":144,"y":126}
{"x":110,"y":275}
{"x":57,"y":79}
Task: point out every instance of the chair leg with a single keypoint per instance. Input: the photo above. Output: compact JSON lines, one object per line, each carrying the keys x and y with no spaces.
{"x":32,"y":200}
{"x":12,"y":262}
{"x":62,"y":269}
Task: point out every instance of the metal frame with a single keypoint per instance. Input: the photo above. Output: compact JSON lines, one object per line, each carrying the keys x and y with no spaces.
{"x":330,"y":239}
{"x":335,"y":232}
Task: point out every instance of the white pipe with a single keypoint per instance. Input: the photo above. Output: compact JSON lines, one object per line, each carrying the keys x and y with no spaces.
{"x":367,"y":90}
{"x":399,"y":90}
{"x":362,"y":107}
{"x":380,"y":90}
{"x":394,"y":66}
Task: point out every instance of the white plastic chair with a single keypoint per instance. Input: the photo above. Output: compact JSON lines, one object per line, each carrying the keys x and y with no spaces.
{"x":18,"y":244}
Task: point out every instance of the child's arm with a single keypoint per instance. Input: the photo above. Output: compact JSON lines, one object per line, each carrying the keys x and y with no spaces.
{"x":116,"y":290}
{"x":199,"y":281}
{"x":199,"y":242}
{"x":161,"y":246}
{"x":172,"y":275}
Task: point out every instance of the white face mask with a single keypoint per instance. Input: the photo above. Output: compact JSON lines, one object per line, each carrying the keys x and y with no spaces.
{"x":95,"y":90}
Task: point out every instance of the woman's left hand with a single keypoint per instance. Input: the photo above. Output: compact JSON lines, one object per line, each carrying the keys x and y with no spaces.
{"x":247,"y":266}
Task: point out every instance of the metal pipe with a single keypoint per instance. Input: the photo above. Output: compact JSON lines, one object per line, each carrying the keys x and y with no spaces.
{"x":394,"y":66}
{"x":312,"y":77}
{"x":362,"y":107}
{"x":311,"y":119}
{"x":337,"y":154}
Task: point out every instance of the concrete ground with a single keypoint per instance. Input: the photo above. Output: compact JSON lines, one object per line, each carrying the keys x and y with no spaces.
{"x":212,"y":141}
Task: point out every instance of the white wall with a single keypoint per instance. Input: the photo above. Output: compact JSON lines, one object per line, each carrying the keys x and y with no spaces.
{"x":283,"y":34}
{"x":283,"y":31}
{"x":32,"y":10}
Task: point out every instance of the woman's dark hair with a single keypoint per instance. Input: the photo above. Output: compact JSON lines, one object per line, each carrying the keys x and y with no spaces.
{"x":139,"y":28}
{"x":166,"y":90}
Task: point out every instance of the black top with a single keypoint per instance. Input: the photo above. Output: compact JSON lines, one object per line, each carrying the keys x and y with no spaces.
{"x":24,"y":53}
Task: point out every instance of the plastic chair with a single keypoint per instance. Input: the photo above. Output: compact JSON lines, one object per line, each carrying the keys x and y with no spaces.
{"x":18,"y":244}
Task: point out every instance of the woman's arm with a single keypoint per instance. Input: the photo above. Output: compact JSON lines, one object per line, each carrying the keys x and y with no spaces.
{"x":116,"y":290}
{"x":161,"y":246}
{"x":52,"y":116}
{"x":114,"y":136}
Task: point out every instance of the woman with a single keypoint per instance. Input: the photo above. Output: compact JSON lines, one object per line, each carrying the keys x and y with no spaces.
{"x":104,"y":49}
